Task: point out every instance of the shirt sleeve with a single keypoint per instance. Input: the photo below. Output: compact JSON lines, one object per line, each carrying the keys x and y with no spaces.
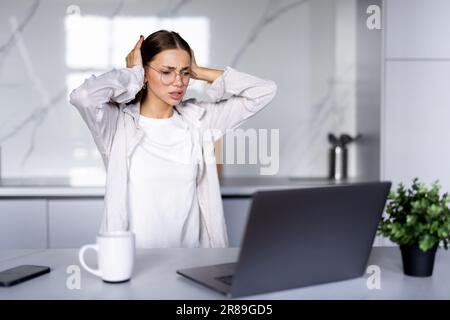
{"x":249,"y":95}
{"x":97,"y":101}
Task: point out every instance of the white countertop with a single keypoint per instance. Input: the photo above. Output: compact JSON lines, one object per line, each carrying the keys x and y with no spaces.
{"x":239,"y":186}
{"x":155,"y":277}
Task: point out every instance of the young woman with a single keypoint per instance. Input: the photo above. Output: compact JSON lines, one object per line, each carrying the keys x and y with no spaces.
{"x":158,"y":151}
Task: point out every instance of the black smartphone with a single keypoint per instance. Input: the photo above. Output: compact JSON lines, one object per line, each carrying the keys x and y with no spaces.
{"x":20,"y":274}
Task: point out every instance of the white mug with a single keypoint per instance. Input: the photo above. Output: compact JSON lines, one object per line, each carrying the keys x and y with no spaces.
{"x":115,"y":254}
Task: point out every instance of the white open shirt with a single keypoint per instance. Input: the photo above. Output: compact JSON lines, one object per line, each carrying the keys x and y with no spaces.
{"x":163,"y":206}
{"x":114,"y":124}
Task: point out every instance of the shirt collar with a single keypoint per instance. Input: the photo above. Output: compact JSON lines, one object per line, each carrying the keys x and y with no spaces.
{"x":186,"y":109}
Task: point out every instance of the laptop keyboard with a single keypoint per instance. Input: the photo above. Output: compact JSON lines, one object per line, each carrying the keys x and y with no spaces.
{"x":226,"y":279}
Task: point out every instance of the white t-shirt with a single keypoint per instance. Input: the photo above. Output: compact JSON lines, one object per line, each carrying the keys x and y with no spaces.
{"x":162,"y":197}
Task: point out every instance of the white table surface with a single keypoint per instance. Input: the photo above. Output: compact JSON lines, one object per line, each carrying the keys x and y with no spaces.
{"x":155,"y":277}
{"x":233,"y":186}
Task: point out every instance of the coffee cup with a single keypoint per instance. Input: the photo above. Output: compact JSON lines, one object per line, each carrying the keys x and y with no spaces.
{"x":115,"y":256}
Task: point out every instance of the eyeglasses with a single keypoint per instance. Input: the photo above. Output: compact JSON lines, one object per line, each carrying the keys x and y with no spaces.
{"x":169,"y":77}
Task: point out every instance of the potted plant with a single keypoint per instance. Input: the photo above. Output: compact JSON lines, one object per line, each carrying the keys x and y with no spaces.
{"x":418,"y":220}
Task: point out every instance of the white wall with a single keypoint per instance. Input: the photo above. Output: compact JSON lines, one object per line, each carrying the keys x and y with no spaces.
{"x":302,"y":45}
{"x":416,"y":110}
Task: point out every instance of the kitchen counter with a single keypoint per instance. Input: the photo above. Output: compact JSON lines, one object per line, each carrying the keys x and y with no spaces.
{"x":230,"y":187}
{"x":155,"y":277}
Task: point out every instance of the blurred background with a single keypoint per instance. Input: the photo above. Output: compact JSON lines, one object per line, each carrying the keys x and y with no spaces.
{"x":307,"y":47}
{"x":378,"y":69}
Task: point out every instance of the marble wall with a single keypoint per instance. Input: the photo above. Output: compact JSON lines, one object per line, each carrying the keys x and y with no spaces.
{"x":48,"y":47}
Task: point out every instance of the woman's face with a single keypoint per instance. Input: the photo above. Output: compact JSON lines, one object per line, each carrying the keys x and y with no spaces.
{"x":164,"y":62}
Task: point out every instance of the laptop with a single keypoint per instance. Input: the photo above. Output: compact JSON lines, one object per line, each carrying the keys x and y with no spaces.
{"x":301,"y":237}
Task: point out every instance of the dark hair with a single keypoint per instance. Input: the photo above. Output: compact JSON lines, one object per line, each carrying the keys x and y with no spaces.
{"x":155,"y":43}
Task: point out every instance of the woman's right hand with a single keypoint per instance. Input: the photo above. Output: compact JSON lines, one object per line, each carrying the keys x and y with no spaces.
{"x":134,"y":58}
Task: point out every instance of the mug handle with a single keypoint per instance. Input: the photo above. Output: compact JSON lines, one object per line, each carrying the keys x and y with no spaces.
{"x":83,"y":249}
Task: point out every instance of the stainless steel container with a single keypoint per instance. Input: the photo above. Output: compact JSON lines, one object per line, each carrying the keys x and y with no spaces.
{"x":338,"y":163}
{"x":338,"y":155}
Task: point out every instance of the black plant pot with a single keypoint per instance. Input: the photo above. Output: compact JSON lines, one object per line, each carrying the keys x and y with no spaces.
{"x":416,"y":262}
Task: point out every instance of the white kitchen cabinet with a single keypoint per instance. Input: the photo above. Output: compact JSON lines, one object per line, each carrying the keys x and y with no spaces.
{"x":415,"y":131}
{"x":236,"y":213}
{"x":74,"y":222}
{"x":417,"y":29}
{"x":416,"y":122}
{"x":23,"y":224}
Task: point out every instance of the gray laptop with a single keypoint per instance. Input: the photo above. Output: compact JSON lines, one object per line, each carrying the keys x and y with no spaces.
{"x":301,"y":237}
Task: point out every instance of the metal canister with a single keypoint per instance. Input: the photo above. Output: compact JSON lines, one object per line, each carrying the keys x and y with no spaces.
{"x":338,"y":162}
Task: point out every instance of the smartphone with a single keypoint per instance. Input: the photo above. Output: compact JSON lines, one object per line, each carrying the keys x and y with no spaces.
{"x":20,"y":274}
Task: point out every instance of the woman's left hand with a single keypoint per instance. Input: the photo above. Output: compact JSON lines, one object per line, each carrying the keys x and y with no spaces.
{"x":203,"y":73}
{"x":194,"y":67}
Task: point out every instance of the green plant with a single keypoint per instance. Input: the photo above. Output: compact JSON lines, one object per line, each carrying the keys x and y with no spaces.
{"x":417,"y":216}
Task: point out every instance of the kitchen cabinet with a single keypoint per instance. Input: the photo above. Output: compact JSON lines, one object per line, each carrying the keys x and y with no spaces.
{"x":23,"y":224}
{"x":73,"y":223}
{"x":60,"y":216}
{"x":236,"y":214}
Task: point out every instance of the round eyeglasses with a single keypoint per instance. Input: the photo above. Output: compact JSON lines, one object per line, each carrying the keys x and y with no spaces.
{"x":169,"y":77}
